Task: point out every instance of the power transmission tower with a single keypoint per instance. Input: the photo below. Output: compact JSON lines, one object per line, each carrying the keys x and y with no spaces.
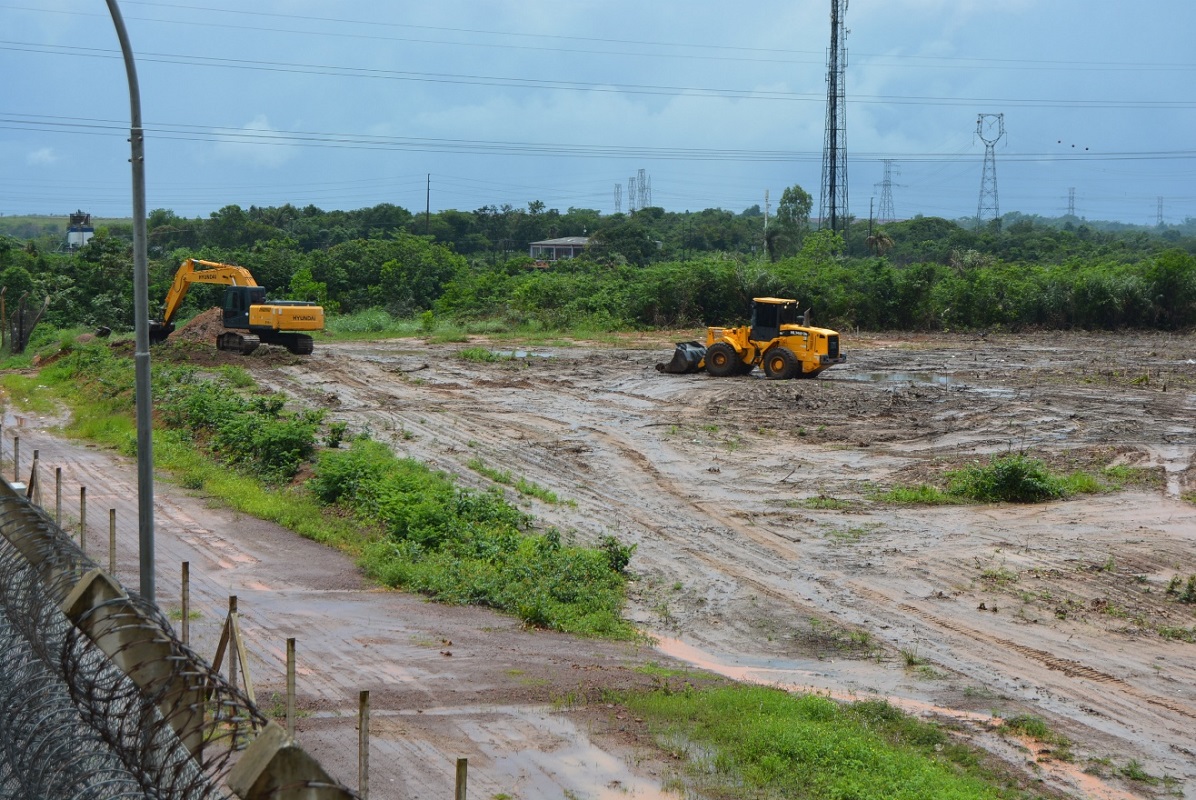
{"x":641,"y":185}
{"x":649,"y":191}
{"x":990,"y":128}
{"x":618,"y":198}
{"x":1071,"y":201}
{"x":766,"y":209}
{"x":1159,"y":220}
{"x":832,"y":206}
{"x":887,"y":213}
{"x":631,"y":195}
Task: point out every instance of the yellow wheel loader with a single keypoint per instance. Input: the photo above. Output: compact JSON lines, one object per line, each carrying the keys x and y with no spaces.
{"x":251,"y":317}
{"x":777,"y":340}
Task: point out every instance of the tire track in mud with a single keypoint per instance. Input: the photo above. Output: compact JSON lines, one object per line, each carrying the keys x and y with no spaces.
{"x":1069,"y":667}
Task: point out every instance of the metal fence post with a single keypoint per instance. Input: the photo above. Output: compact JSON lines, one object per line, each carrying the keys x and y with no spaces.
{"x":83,"y":519}
{"x":186,"y":601}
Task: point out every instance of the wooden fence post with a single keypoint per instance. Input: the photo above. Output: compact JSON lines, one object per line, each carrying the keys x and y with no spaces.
{"x":363,"y":745}
{"x":462,"y":774}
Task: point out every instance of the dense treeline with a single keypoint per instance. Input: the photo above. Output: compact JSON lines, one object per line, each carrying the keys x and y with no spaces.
{"x":650,"y":268}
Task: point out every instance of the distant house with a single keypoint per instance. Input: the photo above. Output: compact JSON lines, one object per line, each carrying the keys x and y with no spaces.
{"x":556,"y":249}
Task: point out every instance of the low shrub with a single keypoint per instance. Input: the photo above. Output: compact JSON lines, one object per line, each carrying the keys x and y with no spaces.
{"x":1011,"y":479}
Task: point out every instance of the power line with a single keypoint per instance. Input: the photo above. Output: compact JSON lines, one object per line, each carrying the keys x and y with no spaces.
{"x":581,"y":86}
{"x":704,"y":48}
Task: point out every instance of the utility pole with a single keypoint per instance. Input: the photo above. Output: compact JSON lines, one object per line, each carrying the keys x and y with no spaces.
{"x":766,"y":208}
{"x":832,"y":210}
{"x":141,"y":357}
{"x":990,"y":128}
{"x":428,"y":205}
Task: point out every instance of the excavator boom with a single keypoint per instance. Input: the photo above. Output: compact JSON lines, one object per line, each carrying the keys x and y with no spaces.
{"x":189,"y":272}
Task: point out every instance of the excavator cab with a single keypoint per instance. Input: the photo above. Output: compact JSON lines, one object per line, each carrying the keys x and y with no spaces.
{"x":237,"y":300}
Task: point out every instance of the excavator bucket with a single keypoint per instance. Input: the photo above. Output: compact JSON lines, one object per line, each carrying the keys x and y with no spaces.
{"x":158,"y":331}
{"x":686,"y":358}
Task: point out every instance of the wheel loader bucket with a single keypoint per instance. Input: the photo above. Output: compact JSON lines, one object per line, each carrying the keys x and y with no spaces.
{"x":686,"y":358}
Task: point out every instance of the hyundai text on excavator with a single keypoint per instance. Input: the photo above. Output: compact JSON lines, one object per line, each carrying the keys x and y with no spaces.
{"x":250,"y":318}
{"x":777,"y":340}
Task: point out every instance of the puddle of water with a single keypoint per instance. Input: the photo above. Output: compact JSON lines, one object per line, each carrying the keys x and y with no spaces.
{"x":898,"y":377}
{"x":520,"y":354}
{"x":539,"y":753}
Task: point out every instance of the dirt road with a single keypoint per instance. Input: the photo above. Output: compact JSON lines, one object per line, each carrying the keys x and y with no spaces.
{"x":762,"y":551}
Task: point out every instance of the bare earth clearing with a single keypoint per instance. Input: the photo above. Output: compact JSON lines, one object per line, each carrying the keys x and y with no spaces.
{"x":762,"y":553}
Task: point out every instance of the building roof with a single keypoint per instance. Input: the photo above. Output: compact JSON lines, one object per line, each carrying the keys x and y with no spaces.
{"x":576,"y":241}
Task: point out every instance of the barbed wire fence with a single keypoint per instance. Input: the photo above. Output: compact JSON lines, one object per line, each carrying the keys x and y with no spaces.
{"x":100,"y":699}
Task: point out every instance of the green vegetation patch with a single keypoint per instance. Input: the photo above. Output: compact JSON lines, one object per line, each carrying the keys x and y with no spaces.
{"x":469,"y":547}
{"x":776,"y":744}
{"x":412,"y":526}
{"x":1015,"y":478}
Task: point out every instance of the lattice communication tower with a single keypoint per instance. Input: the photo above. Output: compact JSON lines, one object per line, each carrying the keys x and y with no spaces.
{"x":832,"y":206}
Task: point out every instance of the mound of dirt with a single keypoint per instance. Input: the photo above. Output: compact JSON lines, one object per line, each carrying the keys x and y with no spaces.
{"x":203,"y":327}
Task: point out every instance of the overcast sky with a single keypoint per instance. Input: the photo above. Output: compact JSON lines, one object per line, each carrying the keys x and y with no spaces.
{"x":348,"y":104}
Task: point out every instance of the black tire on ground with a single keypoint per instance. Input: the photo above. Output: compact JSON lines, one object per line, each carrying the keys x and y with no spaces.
{"x":780,"y":364}
{"x":745,"y":368}
{"x":722,"y":361}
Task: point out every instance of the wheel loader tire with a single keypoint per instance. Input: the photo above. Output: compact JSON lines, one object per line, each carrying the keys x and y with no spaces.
{"x":722,"y":361}
{"x":745,"y":368}
{"x":780,"y":364}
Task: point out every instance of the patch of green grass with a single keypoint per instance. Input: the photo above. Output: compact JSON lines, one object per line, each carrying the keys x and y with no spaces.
{"x":176,"y":614}
{"x":1178,"y":634}
{"x":752,"y":741}
{"x":522,"y":485}
{"x":448,"y":335}
{"x":482,"y":354}
{"x":998,"y":576}
{"x":1134,"y":771}
{"x":24,"y":393}
{"x":533,"y":489}
{"x":922,"y":494}
{"x":657,"y":671}
{"x":497,"y":475}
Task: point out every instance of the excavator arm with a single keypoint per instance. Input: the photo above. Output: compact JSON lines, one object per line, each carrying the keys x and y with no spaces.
{"x":193,"y":270}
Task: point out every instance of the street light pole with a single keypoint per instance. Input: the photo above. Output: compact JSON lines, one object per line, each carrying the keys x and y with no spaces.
{"x":145,"y":442}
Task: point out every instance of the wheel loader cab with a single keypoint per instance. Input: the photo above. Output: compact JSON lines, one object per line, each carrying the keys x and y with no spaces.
{"x":768,"y":315}
{"x":237,"y":300}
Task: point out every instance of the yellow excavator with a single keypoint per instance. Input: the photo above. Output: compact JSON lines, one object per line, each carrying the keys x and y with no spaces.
{"x":249,"y":318}
{"x":778,"y":340}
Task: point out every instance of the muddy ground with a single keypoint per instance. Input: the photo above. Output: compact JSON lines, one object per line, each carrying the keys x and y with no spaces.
{"x":763,"y":551}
